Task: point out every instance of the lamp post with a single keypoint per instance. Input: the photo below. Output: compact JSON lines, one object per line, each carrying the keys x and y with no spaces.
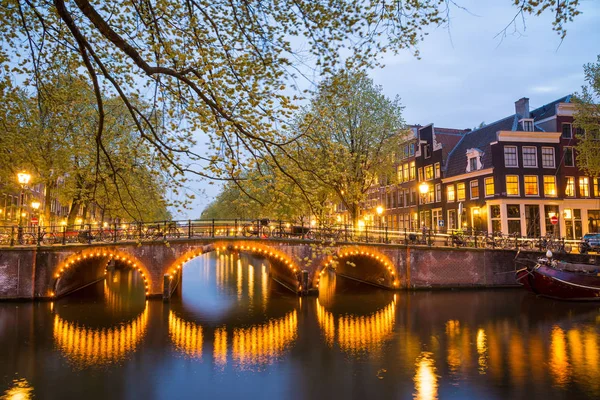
{"x":379,"y":211}
{"x":23,"y":179}
{"x":36,"y":206}
{"x":423,"y":190}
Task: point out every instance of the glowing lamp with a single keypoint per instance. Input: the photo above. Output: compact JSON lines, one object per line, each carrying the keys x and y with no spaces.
{"x":35,"y":205}
{"x":424,"y":188}
{"x":476,"y":211}
{"x":379,"y":210}
{"x":23,"y":178}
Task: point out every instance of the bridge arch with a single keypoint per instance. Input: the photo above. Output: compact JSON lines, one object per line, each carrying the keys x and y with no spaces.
{"x":98,"y":261}
{"x":284,"y":266}
{"x":379,"y":268}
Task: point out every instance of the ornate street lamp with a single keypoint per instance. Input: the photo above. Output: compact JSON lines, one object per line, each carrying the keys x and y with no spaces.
{"x":36,"y":206}
{"x":423,"y":190}
{"x":23,"y":179}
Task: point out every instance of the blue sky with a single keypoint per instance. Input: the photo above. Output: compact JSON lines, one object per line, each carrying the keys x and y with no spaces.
{"x":466,"y":75}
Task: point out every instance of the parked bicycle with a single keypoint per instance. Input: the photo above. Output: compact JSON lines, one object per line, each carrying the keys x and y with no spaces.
{"x":259,"y":228}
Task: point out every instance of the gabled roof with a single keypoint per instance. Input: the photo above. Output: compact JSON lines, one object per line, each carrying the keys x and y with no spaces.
{"x":448,"y":138}
{"x":479,"y":139}
{"x":548,"y":110}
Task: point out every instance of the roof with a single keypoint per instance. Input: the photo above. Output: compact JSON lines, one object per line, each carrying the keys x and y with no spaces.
{"x":448,"y":140}
{"x":548,"y":110}
{"x":478,"y":139}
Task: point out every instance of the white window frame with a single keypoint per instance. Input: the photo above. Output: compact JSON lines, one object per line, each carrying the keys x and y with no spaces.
{"x":485,"y":186}
{"x":518,"y":186}
{"x":555,"y":186}
{"x":465,"y":191}
{"x":553,"y":157}
{"x":523,"y":156}
{"x":438,"y":192}
{"x":471,"y":189}
{"x":516,"y":157}
{"x":567,"y":185}
{"x":537,"y":178}
{"x":453,"y":190}
{"x":572,"y":155}
{"x":437,"y":170}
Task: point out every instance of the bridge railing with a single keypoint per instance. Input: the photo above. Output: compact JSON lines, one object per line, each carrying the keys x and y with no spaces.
{"x":269,"y":230}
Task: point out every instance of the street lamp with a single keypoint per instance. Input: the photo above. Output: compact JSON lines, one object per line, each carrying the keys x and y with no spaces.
{"x":23,"y":179}
{"x":379,"y":211}
{"x":423,"y":190}
{"x":36,"y":206}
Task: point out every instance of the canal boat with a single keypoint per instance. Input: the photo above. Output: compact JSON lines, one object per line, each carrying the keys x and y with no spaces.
{"x":561,"y":280}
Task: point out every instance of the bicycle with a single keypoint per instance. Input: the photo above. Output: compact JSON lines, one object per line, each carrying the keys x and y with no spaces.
{"x":260,"y":228}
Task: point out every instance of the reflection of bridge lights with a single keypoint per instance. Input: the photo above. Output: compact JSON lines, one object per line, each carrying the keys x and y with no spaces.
{"x":426,"y":386}
{"x":559,"y":362}
{"x":87,"y":347}
{"x":187,"y":336}
{"x":358,"y":333}
{"x":263,"y":344}
{"x":220,"y":347}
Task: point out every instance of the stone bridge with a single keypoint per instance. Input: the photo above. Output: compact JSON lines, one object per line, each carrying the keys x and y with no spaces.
{"x":53,"y":271}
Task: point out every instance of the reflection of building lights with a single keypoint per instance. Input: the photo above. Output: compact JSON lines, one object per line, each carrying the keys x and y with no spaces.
{"x":559,"y":362}
{"x":20,"y":389}
{"x":187,"y":336}
{"x":426,"y":386}
{"x":89,"y":347}
{"x":482,"y":350}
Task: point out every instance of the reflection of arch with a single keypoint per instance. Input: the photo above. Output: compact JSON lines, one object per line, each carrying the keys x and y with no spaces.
{"x":255,"y":345}
{"x":95,"y":255}
{"x":347,"y":256}
{"x":275,"y":256}
{"x":87,"y":347}
{"x":358,"y":333}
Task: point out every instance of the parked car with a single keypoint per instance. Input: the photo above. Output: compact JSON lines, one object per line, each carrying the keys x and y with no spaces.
{"x":590,"y":242}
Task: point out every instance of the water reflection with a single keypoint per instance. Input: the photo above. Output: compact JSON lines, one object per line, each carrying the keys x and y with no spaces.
{"x":187,"y":336}
{"x":426,"y":386}
{"x":20,"y":390}
{"x":84,"y":346}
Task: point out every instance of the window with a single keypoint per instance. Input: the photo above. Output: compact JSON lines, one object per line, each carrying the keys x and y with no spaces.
{"x":569,"y":159}
{"x":460,"y":191}
{"x":412,"y":171}
{"x":400,"y":198}
{"x":451,"y":219}
{"x":405,"y":151}
{"x":489,"y":186}
{"x":438,"y":192}
{"x":528,"y":125}
{"x":510,"y":156}
{"x":426,"y":152}
{"x":495,"y":217}
{"x":405,"y":173}
{"x":451,"y":196}
{"x":429,"y":172}
{"x":438,"y":170}
{"x":474,"y":189}
{"x":550,"y":186}
{"x":548,"y":157}
{"x":512,"y":185}
{"x":400,"y":178}
{"x":595,"y":187}
{"x":411,"y":150}
{"x":420,"y":174}
{"x":531,"y":185}
{"x":529,"y":156}
{"x":570,"y":186}
{"x":584,"y":186}
{"x":472,"y":164}
{"x":430,"y":194}
{"x":567,"y":132}
{"x":513,"y":213}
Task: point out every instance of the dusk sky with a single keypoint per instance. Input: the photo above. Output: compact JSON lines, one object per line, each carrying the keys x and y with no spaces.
{"x":466,"y":75}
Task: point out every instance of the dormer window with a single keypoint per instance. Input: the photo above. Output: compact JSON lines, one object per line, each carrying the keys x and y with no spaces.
{"x":527,"y":124}
{"x":474,"y":160}
{"x":426,"y":152}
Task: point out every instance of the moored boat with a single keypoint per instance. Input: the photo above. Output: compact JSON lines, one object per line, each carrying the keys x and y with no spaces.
{"x":561,"y":280}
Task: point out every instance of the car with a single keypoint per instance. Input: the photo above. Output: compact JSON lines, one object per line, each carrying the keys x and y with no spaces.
{"x":589,"y":242}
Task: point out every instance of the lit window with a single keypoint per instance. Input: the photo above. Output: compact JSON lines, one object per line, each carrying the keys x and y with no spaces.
{"x":474,"y":189}
{"x":460,"y":191}
{"x":529,"y":156}
{"x":596,"y":191}
{"x":489,"y":186}
{"x":405,"y":173}
{"x":584,"y":186}
{"x":569,"y":159}
{"x":567,"y":132}
{"x":400,"y":178}
{"x":420,"y":174}
{"x":412,"y":171}
{"x":550,"y":186}
{"x":450,"y":193}
{"x":570,"y":186}
{"x":531,"y":185}
{"x":438,"y":170}
{"x":548,"y":157}
{"x":429,"y":172}
{"x":510,"y":156}
{"x":512,"y":185}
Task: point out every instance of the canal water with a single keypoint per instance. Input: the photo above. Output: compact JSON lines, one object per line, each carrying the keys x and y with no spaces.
{"x":235,"y":333}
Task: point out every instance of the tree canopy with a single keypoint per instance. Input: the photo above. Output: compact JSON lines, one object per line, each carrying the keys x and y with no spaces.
{"x":225,"y":68}
{"x":587,"y":119}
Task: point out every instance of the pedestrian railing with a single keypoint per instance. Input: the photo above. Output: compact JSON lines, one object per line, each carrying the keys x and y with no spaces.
{"x":270,"y":230}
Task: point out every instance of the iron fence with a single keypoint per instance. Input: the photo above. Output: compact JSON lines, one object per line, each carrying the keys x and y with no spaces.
{"x":269,"y":230}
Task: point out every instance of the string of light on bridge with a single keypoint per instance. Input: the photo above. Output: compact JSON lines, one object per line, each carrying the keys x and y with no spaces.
{"x":344,"y":254}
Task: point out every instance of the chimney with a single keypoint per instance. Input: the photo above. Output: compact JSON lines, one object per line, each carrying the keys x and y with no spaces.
{"x":522,"y":107}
